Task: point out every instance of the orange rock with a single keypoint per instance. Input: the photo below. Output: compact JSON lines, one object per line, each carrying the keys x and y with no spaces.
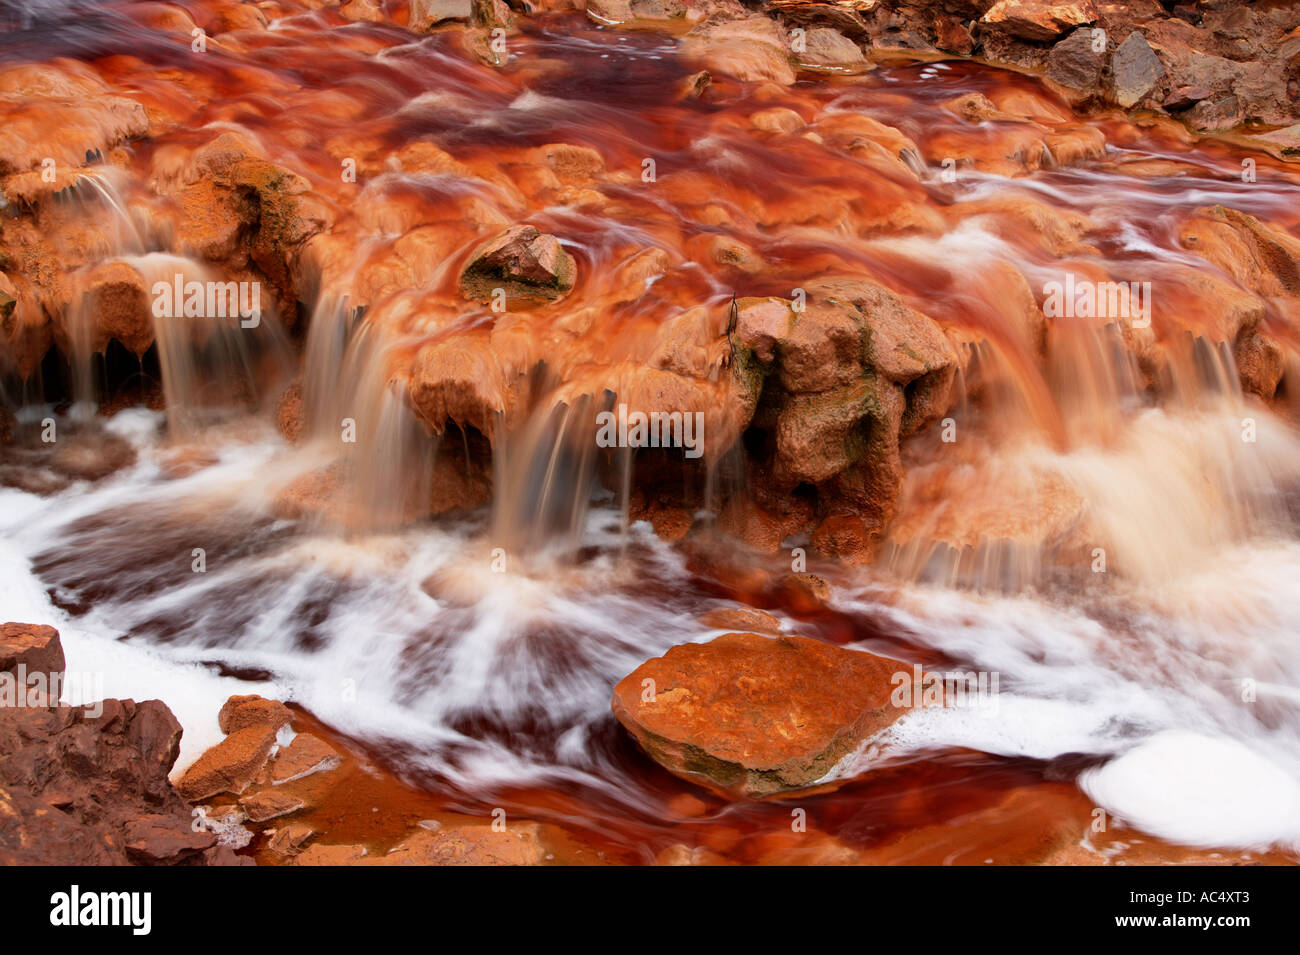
{"x":230,"y":766}
{"x":241,"y":712}
{"x":755,"y":716}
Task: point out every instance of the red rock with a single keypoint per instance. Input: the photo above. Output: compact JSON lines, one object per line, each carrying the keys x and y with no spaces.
{"x":755,"y":716}
{"x":741,"y":618}
{"x":35,"y":646}
{"x":241,"y":712}
{"x":305,"y":756}
{"x":1038,"y":20}
{"x":270,"y":804}
{"x":164,"y":840}
{"x":529,"y":265}
{"x":230,"y":766}
{"x":519,"y":844}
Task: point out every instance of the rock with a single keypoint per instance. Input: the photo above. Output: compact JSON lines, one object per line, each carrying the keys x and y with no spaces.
{"x":91,"y":455}
{"x":33,"y":646}
{"x":529,"y":265}
{"x":291,"y":840}
{"x":230,"y":766}
{"x":625,"y":11}
{"x":427,"y":14}
{"x":241,"y":712}
{"x":1261,"y":363}
{"x":115,"y":294}
{"x":741,"y":618}
{"x":369,"y":11}
{"x":753,"y":49}
{"x":1135,"y":70}
{"x":87,"y":785}
{"x":1184,"y":97}
{"x":305,"y":756}
{"x":755,"y":716}
{"x":157,"y":839}
{"x":519,"y":844}
{"x":1038,"y":20}
{"x":804,"y":593}
{"x":330,"y":855}
{"x":830,"y":50}
{"x":1075,"y":64}
{"x":289,"y":413}
{"x":270,"y":804}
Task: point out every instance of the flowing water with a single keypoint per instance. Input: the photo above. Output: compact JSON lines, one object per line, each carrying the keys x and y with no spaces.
{"x":489,"y":683}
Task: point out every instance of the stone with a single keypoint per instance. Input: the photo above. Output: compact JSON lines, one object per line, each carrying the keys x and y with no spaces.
{"x":230,"y":766}
{"x":1135,"y":69}
{"x":754,"y":716}
{"x":527,"y":264}
{"x":33,"y":646}
{"x":305,"y":756}
{"x":241,"y":712}
{"x":1038,"y":20}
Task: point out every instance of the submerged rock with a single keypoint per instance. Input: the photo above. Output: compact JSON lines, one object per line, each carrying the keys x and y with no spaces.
{"x":756,"y":716}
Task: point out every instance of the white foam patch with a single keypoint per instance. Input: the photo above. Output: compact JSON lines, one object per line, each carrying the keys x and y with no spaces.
{"x":1199,"y":790}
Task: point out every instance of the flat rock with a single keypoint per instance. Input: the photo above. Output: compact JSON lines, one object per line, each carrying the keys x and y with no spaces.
{"x":754,"y":716}
{"x":230,"y":766}
{"x":305,"y":756}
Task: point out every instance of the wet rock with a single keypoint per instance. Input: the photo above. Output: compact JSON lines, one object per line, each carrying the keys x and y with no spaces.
{"x":753,"y":49}
{"x":305,"y":756}
{"x":426,"y":14}
{"x":1261,"y":363}
{"x":241,"y":712}
{"x":369,"y":11}
{"x":625,"y":11}
{"x":755,"y":716}
{"x":741,"y":618}
{"x":1038,"y":20}
{"x":528,"y":265}
{"x":289,"y":413}
{"x":35,"y":647}
{"x":1135,"y":69}
{"x":91,"y":455}
{"x":230,"y":766}
{"x":829,"y":50}
{"x":290,"y":840}
{"x":519,"y":844}
{"x":270,"y":804}
{"x":330,"y":855}
{"x":116,"y":296}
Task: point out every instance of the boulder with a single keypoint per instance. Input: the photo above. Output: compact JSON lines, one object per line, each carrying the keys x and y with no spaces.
{"x":1038,"y":20}
{"x":754,"y":716}
{"x":1135,"y":70}
{"x":529,"y":265}
{"x":230,"y":766}
{"x":241,"y":712}
{"x":33,"y":646}
{"x":1074,"y":63}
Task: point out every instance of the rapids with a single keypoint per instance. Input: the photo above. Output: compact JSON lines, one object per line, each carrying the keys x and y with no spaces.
{"x":491,"y":686}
